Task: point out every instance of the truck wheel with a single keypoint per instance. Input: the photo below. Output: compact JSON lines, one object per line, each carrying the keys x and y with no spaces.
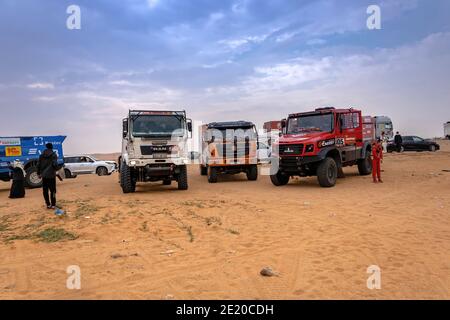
{"x":252,"y":173}
{"x":203,"y":170}
{"x":365,"y":165}
{"x":102,"y":171}
{"x":327,"y":173}
{"x":279,"y":179}
{"x":126,"y":180}
{"x":32,"y":179}
{"x":432,"y":148}
{"x":212,"y":174}
{"x":182,"y":178}
{"x":167,"y":182}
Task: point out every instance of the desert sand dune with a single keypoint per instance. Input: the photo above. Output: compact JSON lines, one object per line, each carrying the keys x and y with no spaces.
{"x":212,"y":240}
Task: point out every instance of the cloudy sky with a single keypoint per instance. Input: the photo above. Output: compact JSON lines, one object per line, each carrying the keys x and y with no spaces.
{"x":220,"y":60}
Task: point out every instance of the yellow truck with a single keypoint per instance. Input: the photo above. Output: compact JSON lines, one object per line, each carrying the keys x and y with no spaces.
{"x":229,"y":148}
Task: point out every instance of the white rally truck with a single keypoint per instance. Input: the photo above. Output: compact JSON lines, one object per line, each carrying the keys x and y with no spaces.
{"x":154,"y":148}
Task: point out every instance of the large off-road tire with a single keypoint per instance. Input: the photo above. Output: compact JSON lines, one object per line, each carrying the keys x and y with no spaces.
{"x":203,"y":170}
{"x":212,"y":174}
{"x":252,"y":172}
{"x":32,"y":179}
{"x":183,"y":178}
{"x":327,"y":172}
{"x":102,"y":171}
{"x":167,"y":182}
{"x":365,"y":165}
{"x":126,"y":180}
{"x":279,"y":179}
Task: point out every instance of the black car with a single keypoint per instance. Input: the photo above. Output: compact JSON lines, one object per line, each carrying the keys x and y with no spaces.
{"x":414,"y":143}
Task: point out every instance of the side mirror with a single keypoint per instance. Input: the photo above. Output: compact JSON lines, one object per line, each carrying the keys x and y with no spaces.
{"x":283,"y":123}
{"x":125,"y":127}
{"x":341,"y":124}
{"x":189,"y":127}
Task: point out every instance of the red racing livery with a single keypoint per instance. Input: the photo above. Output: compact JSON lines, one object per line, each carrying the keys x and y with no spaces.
{"x":320,"y":143}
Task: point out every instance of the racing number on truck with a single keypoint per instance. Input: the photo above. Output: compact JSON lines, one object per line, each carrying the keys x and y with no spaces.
{"x":340,"y":142}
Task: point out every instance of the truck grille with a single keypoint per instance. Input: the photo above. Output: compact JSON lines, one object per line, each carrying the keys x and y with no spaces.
{"x":150,"y":150}
{"x":236,"y":149}
{"x":290,"y":149}
{"x":231,"y":150}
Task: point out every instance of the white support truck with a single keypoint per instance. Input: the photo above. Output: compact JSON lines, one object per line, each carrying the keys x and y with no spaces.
{"x":154,"y":148}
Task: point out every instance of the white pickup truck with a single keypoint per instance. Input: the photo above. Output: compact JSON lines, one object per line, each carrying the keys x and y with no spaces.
{"x":83,"y":164}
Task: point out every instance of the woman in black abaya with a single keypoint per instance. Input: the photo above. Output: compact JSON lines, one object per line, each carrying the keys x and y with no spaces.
{"x":18,"y":184}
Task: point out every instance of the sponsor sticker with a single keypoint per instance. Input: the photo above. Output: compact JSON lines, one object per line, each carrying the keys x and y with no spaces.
{"x":13,"y":151}
{"x":326,"y":143}
{"x":9,"y":141}
{"x":32,"y":151}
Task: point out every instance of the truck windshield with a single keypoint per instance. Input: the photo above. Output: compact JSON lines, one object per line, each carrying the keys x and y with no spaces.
{"x":158,"y":125}
{"x":310,"y":123}
{"x":230,"y":133}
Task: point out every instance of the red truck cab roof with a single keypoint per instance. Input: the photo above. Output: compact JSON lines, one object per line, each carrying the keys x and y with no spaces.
{"x":323,"y":110}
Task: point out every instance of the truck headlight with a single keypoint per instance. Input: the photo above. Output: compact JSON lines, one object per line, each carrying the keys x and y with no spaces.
{"x":132,"y":163}
{"x":309,"y":148}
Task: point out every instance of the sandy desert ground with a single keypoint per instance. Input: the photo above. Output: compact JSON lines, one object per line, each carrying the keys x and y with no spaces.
{"x":211,"y":241}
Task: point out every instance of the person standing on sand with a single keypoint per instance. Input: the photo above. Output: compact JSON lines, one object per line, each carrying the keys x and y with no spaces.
{"x":18,"y":185}
{"x":377,"y":158}
{"x":398,"y":141}
{"x":46,"y":169}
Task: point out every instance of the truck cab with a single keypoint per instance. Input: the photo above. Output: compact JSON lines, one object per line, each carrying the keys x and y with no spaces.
{"x":229,"y":148}
{"x":320,"y":143}
{"x":154,"y":148}
{"x":384,"y":125}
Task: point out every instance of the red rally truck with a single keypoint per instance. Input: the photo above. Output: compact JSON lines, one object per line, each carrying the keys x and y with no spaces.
{"x":320,"y":143}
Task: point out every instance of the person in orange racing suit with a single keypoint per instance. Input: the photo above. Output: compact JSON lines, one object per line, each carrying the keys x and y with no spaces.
{"x":377,"y":158}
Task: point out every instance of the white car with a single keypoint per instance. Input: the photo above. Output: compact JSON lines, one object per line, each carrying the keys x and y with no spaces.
{"x":82,"y":164}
